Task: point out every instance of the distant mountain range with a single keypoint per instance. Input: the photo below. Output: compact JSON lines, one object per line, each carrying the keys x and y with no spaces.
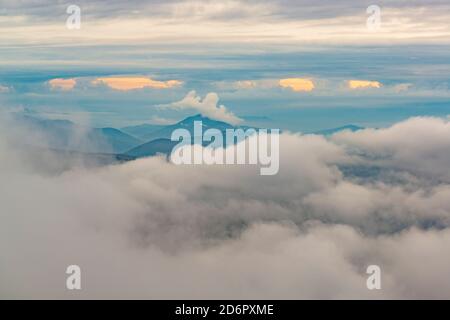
{"x":65,"y":135}
{"x":150,"y":132}
{"x":154,"y":147}
{"x":159,"y":138}
{"x":329,"y":132}
{"x":142,"y":131}
{"x":127,"y":143}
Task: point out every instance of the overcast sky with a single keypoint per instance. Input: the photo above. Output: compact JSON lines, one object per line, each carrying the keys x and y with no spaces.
{"x":235,"y":21}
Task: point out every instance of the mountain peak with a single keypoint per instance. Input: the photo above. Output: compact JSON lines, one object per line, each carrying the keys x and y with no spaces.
{"x":196,"y":117}
{"x":206,"y":121}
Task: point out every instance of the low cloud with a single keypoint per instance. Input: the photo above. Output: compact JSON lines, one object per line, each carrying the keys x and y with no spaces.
{"x":420,"y":145}
{"x":208,"y":106}
{"x":336,"y":206}
{"x":134,"y":83}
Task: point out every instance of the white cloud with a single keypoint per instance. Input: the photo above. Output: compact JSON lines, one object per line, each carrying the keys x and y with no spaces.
{"x":4,"y":89}
{"x":225,"y":231}
{"x":421,"y":145}
{"x":208,"y":106}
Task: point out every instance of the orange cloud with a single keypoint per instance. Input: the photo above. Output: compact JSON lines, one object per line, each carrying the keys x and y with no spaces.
{"x":357,"y":84}
{"x":63,"y":84}
{"x":132,"y":83}
{"x":297,"y":84}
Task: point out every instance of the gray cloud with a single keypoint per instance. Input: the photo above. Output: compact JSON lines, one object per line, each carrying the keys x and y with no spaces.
{"x":31,"y":23}
{"x":282,"y":9}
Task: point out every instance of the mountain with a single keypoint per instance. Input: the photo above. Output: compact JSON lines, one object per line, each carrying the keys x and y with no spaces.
{"x":188,"y":123}
{"x":118,"y":140}
{"x":65,"y":135}
{"x":154,"y":147}
{"x":160,"y":139}
{"x":109,"y":144}
{"x":142,"y":131}
{"x":329,"y":132}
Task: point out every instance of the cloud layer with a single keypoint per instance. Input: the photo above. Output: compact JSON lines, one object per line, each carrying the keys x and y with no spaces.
{"x":149,"y":229}
{"x":265,"y":21}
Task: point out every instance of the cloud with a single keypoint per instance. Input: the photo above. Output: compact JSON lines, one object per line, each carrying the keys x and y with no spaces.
{"x":323,"y":22}
{"x":226,"y":232}
{"x":362,"y":84}
{"x":208,"y":107}
{"x":133,"y":83}
{"x":162,"y":121}
{"x":4,"y":89}
{"x":297,"y":84}
{"x":401,"y":87}
{"x":245,"y":84}
{"x":63,"y":84}
{"x":420,"y":145}
{"x":321,"y":85}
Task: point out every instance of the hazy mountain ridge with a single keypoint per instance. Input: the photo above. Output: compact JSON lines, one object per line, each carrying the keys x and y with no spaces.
{"x":329,"y":132}
{"x":129,"y":142}
{"x":142,"y":131}
{"x":65,"y":135}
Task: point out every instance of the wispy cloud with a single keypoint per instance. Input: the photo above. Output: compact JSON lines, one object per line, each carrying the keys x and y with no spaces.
{"x":134,"y":83}
{"x":245,"y":84}
{"x":401,"y":87}
{"x":63,"y":84}
{"x":4,"y":89}
{"x":161,"y":121}
{"x":290,"y":22}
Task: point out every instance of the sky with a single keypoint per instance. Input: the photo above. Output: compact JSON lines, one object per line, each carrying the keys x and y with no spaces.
{"x":294,"y":65}
{"x":148,"y":228}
